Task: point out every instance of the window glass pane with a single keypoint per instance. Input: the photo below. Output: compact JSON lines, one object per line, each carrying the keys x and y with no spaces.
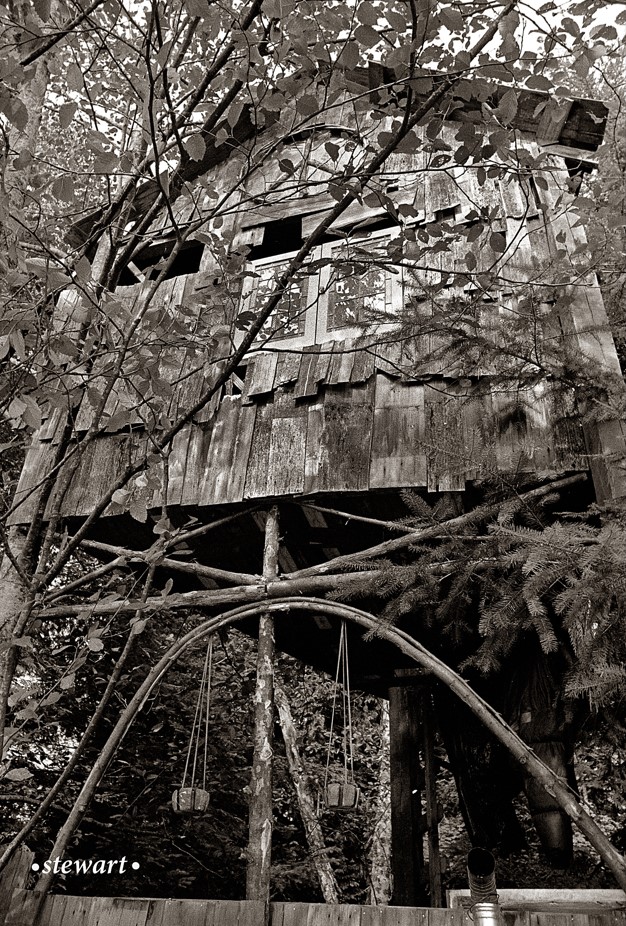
{"x":287,"y":319}
{"x":357,"y":290}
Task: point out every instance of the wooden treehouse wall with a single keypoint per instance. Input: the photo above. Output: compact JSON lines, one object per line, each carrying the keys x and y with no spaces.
{"x":364,"y":410}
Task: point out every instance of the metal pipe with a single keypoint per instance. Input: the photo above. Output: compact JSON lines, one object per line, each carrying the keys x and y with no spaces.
{"x":481,"y":875}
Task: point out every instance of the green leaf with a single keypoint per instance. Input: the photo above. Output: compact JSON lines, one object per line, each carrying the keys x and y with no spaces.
{"x":497,"y":242}
{"x":367,"y":14}
{"x":74,"y":77}
{"x":507,"y":107}
{"x":66,"y":114}
{"x":366,"y":36}
{"x":138,"y":511}
{"x":452,"y":19}
{"x":95,"y":644}
{"x":350,"y":56}
{"x":539,"y":82}
{"x":43,"y":9}
{"x":195,"y":146}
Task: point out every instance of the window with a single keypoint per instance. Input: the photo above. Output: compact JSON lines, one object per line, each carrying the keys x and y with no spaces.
{"x":148,"y":263}
{"x":346,"y":288}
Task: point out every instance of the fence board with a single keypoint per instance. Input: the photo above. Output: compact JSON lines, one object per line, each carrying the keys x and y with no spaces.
{"x":64,"y":910}
{"x":14,"y":877}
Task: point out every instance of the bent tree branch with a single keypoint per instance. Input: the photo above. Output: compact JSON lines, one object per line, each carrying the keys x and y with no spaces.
{"x":532,"y":765}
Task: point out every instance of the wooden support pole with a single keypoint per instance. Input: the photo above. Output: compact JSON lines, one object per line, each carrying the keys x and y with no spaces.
{"x":407,"y":782}
{"x":259,"y":851}
{"x":306,"y":802}
{"x":432,"y":807}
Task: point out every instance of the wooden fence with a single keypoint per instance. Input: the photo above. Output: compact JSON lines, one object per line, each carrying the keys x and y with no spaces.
{"x":65,"y":910}
{"x":19,"y":906}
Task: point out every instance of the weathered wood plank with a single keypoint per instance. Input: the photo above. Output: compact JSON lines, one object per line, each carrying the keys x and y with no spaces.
{"x":397,"y":451}
{"x":307,"y":380}
{"x":324,"y":359}
{"x":262,"y":374}
{"x":15,"y":876}
{"x":287,"y":455}
{"x":288,"y":368}
{"x":315,"y":427}
{"x":443,"y":440}
{"x":250,"y":913}
{"x":78,"y":912}
{"x":341,"y":363}
{"x":177,"y":465}
{"x":344,"y":446}
{"x":38,"y":461}
{"x":241,"y":452}
{"x":405,"y":916}
{"x":295,"y":914}
{"x":56,"y":909}
{"x":363,"y":365}
{"x":23,"y":908}
{"x":257,"y":470}
{"x":119,"y":911}
{"x":196,"y":468}
{"x":215,"y":486}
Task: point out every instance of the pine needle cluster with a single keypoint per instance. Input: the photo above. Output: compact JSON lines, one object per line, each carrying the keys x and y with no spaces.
{"x":476,"y":596}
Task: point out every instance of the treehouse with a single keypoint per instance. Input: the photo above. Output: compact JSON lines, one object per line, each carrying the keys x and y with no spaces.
{"x":412,"y":361}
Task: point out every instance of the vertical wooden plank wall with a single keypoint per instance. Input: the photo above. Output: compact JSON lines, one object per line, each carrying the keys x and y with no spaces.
{"x":14,"y":878}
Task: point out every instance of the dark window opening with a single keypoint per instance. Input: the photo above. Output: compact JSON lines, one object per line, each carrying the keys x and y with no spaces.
{"x":279,"y":237}
{"x":577,"y":169}
{"x":149,"y":262}
{"x":286,"y":235}
{"x":237,"y":380}
{"x":534,"y":189}
{"x":446,"y":215}
{"x":585,"y":124}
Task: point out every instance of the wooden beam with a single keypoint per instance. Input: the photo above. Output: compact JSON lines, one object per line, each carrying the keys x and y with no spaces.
{"x":432,"y":807}
{"x":407,"y":783}
{"x":259,"y":852}
{"x":476,"y":516}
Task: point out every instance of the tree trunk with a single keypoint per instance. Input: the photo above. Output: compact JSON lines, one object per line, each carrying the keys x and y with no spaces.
{"x":380,"y":858}
{"x":259,"y":851}
{"x":13,"y":598}
{"x":408,"y":823}
{"x":306,"y":801}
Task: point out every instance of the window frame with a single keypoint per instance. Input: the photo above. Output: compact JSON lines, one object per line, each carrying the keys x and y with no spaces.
{"x":317,"y":287}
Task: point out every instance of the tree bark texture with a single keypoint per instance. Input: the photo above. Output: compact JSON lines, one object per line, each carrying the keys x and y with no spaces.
{"x":407,"y":784}
{"x":380,"y":856}
{"x":306,"y":801}
{"x":13,"y":599}
{"x":259,"y":852}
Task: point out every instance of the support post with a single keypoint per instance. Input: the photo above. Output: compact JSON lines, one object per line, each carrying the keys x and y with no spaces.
{"x":259,"y":851}
{"x":306,"y":802}
{"x":432,"y":806}
{"x":407,"y":782}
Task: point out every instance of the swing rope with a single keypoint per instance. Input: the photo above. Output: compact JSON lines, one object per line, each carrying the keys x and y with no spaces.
{"x":203,"y":704}
{"x":342,"y":670}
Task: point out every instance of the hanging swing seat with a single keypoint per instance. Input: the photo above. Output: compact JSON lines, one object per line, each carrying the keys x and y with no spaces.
{"x":341,"y":796}
{"x":190,"y":800}
{"x":340,"y":792}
